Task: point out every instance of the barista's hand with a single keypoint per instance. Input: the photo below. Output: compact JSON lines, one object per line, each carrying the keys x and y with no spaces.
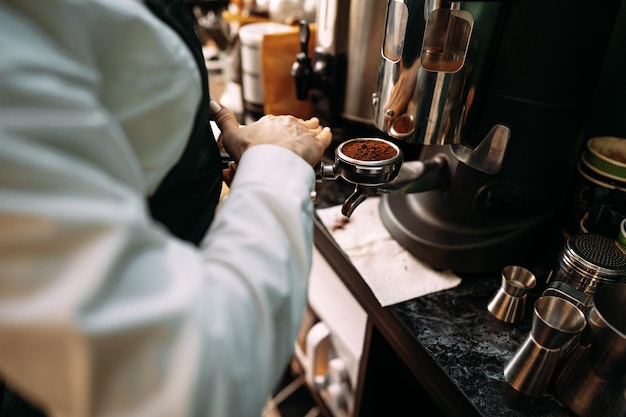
{"x":306,"y":138}
{"x":228,"y":174}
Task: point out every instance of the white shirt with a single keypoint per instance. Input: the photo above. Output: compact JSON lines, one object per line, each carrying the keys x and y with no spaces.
{"x":102,"y":311}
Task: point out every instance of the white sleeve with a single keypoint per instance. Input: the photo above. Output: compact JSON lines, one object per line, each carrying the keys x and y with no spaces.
{"x":259,"y":249}
{"x":102,"y":312}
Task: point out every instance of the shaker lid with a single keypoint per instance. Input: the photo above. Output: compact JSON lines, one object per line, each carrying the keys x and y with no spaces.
{"x":596,"y":255}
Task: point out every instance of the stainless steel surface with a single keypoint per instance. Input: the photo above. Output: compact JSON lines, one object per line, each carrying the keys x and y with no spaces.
{"x":556,"y":322}
{"x":345,"y":67}
{"x":587,"y":261}
{"x":364,"y":42}
{"x":371,"y":173}
{"x":509,"y":302}
{"x":593,"y":380}
{"x":331,"y":30}
{"x":430,"y":67}
{"x":531,"y":368}
{"x":366,"y":175}
{"x":608,"y":324}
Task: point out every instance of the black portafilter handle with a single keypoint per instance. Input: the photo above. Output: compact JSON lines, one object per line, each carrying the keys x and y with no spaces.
{"x":302,"y":70}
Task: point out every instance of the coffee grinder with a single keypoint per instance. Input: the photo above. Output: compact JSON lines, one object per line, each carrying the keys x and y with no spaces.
{"x":493,"y":95}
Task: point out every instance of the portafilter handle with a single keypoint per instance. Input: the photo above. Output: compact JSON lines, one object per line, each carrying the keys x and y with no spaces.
{"x":360,"y":194}
{"x":362,"y":190}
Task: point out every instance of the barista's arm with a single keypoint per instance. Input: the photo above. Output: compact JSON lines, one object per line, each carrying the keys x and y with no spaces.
{"x":102,"y":311}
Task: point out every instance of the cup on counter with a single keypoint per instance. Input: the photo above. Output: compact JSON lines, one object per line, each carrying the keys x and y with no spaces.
{"x":556,"y":322}
{"x":593,"y":380}
{"x":251,"y":37}
{"x":509,"y":302}
{"x":599,"y":199}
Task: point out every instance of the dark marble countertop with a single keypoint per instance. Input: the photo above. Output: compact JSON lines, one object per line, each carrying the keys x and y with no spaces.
{"x":472,"y":347}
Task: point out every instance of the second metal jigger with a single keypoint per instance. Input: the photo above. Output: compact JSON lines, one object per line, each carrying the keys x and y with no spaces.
{"x":556,"y":322}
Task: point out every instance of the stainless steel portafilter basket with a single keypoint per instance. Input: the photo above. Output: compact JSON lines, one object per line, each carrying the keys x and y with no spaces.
{"x":367,"y":175}
{"x":365,"y":172}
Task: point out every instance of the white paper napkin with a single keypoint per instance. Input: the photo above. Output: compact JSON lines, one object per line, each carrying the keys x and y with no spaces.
{"x":391,"y":272}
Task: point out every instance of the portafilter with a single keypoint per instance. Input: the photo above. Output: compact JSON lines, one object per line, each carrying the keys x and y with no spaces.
{"x":365,"y":162}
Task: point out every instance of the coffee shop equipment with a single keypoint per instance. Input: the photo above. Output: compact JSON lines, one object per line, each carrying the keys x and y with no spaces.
{"x":527,"y":97}
{"x":585,"y":366}
{"x":599,"y":196}
{"x":342,"y":74}
{"x":556,"y":322}
{"x":495,"y":107}
{"x":586,"y":262}
{"x":509,"y":302}
{"x":592,"y":381}
{"x":366,"y":175}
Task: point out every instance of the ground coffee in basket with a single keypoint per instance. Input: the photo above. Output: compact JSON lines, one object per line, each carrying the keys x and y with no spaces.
{"x":369,"y":150}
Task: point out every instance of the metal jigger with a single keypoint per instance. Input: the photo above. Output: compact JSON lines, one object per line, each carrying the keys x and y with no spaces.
{"x":556,"y":322}
{"x":509,"y":303}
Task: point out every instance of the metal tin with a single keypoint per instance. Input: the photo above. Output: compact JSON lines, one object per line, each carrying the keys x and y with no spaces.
{"x":588,"y":260}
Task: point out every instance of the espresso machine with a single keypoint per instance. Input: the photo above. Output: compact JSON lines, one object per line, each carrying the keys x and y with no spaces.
{"x":341,"y":75}
{"x":488,"y":101}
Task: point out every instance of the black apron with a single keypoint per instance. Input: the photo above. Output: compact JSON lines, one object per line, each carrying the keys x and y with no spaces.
{"x":186,"y":200}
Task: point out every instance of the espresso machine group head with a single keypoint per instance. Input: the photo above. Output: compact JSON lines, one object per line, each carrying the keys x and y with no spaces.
{"x":495,"y":95}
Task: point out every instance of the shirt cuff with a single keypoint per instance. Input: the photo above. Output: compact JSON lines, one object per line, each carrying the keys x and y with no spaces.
{"x":275,"y":166}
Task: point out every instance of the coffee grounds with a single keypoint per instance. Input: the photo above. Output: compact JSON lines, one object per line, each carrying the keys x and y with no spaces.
{"x":369,"y":150}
